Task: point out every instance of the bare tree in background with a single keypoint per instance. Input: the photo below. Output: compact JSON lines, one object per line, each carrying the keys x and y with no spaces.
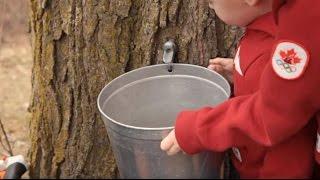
{"x":4,"y":140}
{"x":79,"y":46}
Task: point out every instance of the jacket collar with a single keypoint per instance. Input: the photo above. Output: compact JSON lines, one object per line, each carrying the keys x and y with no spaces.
{"x":264,"y":23}
{"x":277,"y":4}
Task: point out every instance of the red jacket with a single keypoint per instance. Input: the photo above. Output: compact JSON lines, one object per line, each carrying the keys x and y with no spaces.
{"x":268,"y":124}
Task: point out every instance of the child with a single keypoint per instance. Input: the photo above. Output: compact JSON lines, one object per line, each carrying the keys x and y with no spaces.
{"x":269,"y":124}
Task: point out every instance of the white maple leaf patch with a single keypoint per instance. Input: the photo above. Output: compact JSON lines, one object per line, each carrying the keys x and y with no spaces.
{"x":290,"y":60}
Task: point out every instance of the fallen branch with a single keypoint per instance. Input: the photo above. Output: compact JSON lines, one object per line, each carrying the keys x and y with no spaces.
{"x":7,"y":147}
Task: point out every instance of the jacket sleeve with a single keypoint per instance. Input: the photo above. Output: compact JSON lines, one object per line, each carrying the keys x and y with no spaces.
{"x":280,"y":109}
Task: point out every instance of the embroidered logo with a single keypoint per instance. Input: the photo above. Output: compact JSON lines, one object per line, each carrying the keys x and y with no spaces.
{"x":290,"y":60}
{"x":237,"y":62}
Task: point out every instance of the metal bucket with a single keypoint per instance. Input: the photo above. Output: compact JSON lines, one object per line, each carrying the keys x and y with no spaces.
{"x":139,"y":109}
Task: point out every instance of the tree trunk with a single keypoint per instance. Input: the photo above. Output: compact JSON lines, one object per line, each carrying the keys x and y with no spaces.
{"x":79,"y":46}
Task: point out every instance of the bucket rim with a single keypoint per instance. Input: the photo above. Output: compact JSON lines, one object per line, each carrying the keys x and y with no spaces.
{"x":227,"y":92}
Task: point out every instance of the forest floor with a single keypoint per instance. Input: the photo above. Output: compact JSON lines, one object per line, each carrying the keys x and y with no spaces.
{"x":15,"y":92}
{"x":15,"y":75}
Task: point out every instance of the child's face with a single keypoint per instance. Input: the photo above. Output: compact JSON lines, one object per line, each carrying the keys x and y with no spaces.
{"x":240,"y":12}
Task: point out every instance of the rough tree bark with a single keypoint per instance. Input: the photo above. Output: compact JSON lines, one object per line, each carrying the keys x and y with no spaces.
{"x":79,"y":46}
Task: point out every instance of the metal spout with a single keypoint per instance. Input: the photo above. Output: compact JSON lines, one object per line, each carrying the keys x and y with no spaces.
{"x":169,"y":50}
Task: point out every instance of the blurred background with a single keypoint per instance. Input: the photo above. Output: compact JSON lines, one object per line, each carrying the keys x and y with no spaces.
{"x":15,"y":74}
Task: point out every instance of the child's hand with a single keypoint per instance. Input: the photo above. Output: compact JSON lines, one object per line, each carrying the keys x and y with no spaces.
{"x":170,"y":144}
{"x":223,"y":66}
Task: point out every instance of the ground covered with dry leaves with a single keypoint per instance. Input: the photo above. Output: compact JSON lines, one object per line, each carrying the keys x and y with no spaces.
{"x":15,"y":91}
{"x":15,"y":74}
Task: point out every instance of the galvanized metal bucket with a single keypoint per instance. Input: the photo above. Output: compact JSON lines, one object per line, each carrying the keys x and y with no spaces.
{"x":139,"y":109}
